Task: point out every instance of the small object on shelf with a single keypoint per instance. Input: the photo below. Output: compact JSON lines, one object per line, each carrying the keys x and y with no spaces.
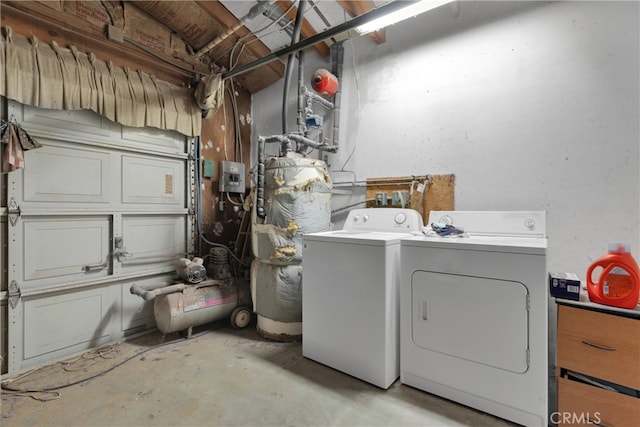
{"x":618,"y":283}
{"x":564,"y":285}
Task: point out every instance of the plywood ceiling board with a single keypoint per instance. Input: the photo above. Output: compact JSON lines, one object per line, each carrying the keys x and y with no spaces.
{"x":439,"y":192}
{"x":187,"y":18}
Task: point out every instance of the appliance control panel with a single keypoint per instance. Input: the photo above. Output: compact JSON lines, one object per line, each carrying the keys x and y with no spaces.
{"x":384,"y":219}
{"x":495,"y":223}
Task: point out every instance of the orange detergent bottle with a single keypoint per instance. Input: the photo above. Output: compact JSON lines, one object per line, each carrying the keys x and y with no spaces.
{"x":618,"y":284}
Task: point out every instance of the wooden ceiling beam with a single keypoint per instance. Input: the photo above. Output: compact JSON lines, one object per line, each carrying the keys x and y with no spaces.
{"x":358,"y":7}
{"x":307,"y":29}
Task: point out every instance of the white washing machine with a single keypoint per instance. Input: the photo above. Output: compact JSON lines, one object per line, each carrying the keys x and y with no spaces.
{"x":350,"y":293}
{"x":474,"y":313}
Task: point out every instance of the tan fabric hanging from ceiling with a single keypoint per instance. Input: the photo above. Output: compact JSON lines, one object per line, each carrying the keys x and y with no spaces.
{"x":48,"y":76}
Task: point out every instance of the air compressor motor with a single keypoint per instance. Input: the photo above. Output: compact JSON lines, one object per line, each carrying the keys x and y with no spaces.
{"x":191,"y":270}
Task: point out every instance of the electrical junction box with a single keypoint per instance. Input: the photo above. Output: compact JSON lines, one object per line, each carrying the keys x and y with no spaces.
{"x":314,"y":121}
{"x":399,"y":198}
{"x":208,"y":168}
{"x":115,"y":34}
{"x":232,"y":177}
{"x":382,"y":199}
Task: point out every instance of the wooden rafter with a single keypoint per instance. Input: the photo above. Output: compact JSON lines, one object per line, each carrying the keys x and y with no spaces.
{"x":258,"y":49}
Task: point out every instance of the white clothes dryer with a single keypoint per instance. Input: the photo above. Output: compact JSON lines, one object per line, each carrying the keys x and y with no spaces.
{"x":350,"y":293}
{"x":474,"y":313}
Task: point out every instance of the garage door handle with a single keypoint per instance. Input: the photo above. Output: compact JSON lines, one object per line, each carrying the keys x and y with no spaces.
{"x":598,"y":346}
{"x":95,"y":267}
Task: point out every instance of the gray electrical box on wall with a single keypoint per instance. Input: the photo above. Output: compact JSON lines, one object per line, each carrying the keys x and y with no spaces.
{"x":232,"y":177}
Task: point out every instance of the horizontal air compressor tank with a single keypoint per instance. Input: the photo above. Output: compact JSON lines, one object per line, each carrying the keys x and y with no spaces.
{"x":200,"y":304}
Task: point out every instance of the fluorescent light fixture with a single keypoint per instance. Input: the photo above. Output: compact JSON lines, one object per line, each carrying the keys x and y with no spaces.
{"x":412,"y":9}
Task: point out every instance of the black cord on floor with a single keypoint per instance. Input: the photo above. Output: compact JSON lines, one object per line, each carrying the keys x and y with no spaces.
{"x":26,"y":392}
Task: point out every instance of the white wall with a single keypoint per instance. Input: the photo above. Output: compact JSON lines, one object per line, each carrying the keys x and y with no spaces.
{"x":531,"y":106}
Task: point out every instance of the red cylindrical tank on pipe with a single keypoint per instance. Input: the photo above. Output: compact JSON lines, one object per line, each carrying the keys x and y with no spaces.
{"x":324,"y":82}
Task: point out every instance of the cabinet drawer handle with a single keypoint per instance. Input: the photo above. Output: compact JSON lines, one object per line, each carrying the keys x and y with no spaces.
{"x":602,"y":424}
{"x":600,"y":347}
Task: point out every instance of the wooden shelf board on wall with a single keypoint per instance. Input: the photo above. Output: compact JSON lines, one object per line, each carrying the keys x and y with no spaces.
{"x":438,"y":192}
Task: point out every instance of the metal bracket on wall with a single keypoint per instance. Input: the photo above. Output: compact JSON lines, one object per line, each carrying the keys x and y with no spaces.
{"x":13,"y":212}
{"x":14,"y":294}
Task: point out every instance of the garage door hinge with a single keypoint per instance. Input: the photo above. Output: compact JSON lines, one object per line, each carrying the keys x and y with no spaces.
{"x":14,"y":294}
{"x":13,"y":211}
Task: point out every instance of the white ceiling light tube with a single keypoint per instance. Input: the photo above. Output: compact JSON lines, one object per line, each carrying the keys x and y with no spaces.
{"x":412,"y":9}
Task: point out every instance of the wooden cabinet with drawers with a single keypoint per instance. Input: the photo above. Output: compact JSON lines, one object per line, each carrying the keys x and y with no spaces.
{"x":598,"y":362}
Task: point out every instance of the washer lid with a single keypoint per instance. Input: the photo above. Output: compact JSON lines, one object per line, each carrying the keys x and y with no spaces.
{"x":518,"y":245}
{"x":379,"y":238}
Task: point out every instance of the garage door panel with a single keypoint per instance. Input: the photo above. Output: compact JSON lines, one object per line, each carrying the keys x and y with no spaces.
{"x":153,"y":181}
{"x":53,"y":322}
{"x":97,"y":208}
{"x":154,"y":140}
{"x":60,"y":174}
{"x":153,"y":241}
{"x":79,"y":122}
{"x":76,"y":248}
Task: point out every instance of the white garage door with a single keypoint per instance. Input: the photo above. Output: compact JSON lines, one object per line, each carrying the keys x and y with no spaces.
{"x":97,"y":208}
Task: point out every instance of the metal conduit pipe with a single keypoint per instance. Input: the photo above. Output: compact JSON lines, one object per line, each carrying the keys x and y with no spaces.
{"x":285,"y":144}
{"x":337,"y":53}
{"x":313,"y":144}
{"x":295,"y":38}
{"x":302,"y":125}
{"x":308,"y":42}
{"x":149,"y":292}
{"x":260,"y":212}
{"x":325,"y":102}
{"x":144,"y":291}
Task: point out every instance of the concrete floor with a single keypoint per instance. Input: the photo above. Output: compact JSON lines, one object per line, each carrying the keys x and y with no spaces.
{"x":220,"y":377}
